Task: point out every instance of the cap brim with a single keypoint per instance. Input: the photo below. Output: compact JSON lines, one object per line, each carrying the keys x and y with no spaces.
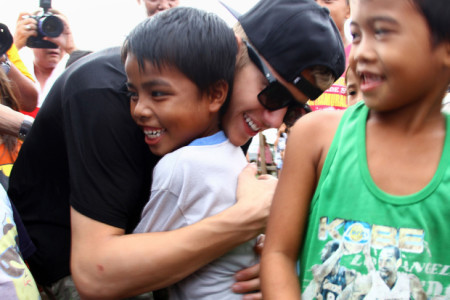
{"x":234,"y":12}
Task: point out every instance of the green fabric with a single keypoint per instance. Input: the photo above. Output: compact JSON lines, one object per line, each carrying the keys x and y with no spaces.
{"x":349,"y":208}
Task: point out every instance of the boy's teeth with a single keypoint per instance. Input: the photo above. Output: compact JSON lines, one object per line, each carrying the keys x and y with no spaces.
{"x":367,"y":77}
{"x":250,"y":123}
{"x":153,"y":133}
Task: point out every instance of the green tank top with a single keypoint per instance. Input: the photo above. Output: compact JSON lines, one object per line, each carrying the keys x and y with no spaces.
{"x":372,"y":233}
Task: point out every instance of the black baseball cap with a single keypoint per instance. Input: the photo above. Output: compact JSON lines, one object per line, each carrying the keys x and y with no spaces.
{"x":6,"y":39}
{"x":293,"y":35}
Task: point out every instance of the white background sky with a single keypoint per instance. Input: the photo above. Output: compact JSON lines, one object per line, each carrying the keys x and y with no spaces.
{"x":98,"y":24}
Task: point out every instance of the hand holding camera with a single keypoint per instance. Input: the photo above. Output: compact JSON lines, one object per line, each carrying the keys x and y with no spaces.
{"x":47,"y":29}
{"x":25,"y":28}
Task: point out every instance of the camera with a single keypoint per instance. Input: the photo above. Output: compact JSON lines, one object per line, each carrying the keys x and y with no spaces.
{"x":6,"y":39}
{"x":48,"y":25}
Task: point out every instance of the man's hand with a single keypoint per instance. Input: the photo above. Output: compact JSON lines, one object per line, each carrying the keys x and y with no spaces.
{"x":256,"y":194}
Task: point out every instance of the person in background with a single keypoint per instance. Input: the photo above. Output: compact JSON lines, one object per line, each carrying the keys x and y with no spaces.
{"x":9,"y":144}
{"x":22,"y":82}
{"x":45,"y":64}
{"x":13,"y":124}
{"x":335,"y":98}
{"x":340,"y":12}
{"x":154,"y":6}
{"x":378,"y":174}
{"x":16,"y":281}
{"x":353,"y":91}
{"x":280,"y":146}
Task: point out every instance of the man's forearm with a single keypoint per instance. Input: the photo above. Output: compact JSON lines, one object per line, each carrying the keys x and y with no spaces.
{"x":116,"y":266}
{"x":10,"y":121}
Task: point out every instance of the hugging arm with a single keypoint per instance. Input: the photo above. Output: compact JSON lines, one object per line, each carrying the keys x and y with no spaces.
{"x":106,"y":263}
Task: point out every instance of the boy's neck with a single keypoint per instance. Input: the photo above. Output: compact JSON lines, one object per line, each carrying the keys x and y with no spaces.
{"x":211,"y":130}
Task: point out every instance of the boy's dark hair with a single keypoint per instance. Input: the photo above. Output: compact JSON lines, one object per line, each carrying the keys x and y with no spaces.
{"x":437,"y":15}
{"x":199,"y":44}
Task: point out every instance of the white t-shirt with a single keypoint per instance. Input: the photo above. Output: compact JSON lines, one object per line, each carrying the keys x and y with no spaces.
{"x":190,"y":184}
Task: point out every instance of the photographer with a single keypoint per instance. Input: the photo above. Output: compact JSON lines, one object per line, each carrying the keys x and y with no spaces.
{"x":27,"y":26}
{"x":46,"y":64}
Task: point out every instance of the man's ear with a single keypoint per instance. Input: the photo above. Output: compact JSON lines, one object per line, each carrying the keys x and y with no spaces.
{"x":217,"y":95}
{"x":239,"y":41}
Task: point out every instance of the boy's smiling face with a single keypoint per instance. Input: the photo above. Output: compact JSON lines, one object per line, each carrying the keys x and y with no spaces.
{"x":168,"y":106}
{"x":394,"y":57}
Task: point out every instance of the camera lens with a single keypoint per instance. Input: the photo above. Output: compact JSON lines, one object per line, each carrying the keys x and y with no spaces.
{"x":51,"y":26}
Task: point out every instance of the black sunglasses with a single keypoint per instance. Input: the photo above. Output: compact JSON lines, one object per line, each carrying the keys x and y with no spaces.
{"x":276,"y":96}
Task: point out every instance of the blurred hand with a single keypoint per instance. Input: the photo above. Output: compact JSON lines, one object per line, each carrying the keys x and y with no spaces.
{"x":25,"y":27}
{"x":65,"y":40}
{"x":248,"y":283}
{"x":255,"y":194}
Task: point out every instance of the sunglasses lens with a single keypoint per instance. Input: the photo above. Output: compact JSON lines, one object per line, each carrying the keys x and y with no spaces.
{"x":275,"y":96}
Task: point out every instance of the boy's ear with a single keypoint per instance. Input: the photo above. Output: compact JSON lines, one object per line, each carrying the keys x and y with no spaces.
{"x":218,"y":95}
{"x":447,"y":54}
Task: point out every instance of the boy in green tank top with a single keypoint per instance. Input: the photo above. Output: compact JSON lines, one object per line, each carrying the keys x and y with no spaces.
{"x":362,"y":206}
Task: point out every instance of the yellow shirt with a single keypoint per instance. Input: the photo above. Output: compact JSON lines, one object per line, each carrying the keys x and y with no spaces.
{"x":14,"y":57}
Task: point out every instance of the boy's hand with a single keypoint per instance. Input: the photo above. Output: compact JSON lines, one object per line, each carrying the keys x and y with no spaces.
{"x":248,"y":282}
